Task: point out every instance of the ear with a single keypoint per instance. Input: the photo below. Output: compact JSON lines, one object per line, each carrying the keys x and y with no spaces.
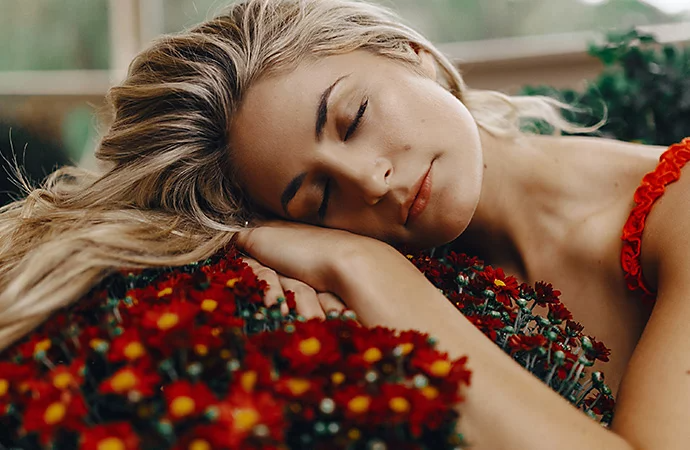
{"x":427,"y":62}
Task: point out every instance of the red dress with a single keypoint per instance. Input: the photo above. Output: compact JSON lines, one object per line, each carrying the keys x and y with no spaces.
{"x":652,"y":187}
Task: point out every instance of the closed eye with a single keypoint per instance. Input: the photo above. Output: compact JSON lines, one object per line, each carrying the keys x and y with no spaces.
{"x":324,"y":203}
{"x":358,"y":118}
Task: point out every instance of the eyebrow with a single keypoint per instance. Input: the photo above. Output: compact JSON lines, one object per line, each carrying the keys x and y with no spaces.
{"x":322,"y":110}
{"x":321,"y":119}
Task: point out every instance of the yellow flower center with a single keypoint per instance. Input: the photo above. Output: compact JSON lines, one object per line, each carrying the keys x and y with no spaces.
{"x":164,"y":292}
{"x":167,"y":321}
{"x":111,"y":443}
{"x":245,"y":419}
{"x":232,"y":282}
{"x":124,"y":381}
{"x":499,"y":283}
{"x":354,"y":434}
{"x":337,"y":378}
{"x":96,"y":342}
{"x":225,"y":353}
{"x":430,"y":392}
{"x":4,"y":387}
{"x":134,"y":350}
{"x":248,"y":380}
{"x":298,"y":386}
{"x":372,"y":355}
{"x":54,"y":413}
{"x":182,"y":406}
{"x":399,"y":404}
{"x":359,"y":404}
{"x":209,"y":305}
{"x":201,"y":350}
{"x":310,"y":347}
{"x":42,"y":346}
{"x":63,"y":380}
{"x":199,"y":444}
{"x":440,"y":368}
{"x":406,"y":348}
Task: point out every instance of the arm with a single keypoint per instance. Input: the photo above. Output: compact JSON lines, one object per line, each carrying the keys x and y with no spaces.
{"x":505,"y":407}
{"x":653,"y":407}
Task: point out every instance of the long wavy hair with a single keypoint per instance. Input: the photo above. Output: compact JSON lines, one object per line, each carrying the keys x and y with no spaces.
{"x":167,"y":194}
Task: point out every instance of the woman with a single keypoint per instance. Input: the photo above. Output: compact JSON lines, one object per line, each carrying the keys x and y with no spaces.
{"x":332,"y":113}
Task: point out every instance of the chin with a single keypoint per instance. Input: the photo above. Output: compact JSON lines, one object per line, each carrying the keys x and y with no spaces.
{"x":444,"y":229}
{"x":436,"y":237}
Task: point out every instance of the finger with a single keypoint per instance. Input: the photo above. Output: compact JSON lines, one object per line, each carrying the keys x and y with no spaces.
{"x":275,"y":289}
{"x":308,"y":305}
{"x":303,"y":252}
{"x":330,"y":302}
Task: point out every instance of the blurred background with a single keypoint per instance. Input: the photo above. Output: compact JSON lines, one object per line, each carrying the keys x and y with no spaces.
{"x":58,"y":57}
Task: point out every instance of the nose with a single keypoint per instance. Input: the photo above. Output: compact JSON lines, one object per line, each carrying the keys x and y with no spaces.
{"x":368,"y":177}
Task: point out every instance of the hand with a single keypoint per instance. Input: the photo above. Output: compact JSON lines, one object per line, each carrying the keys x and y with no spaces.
{"x":312,"y":255}
{"x":372,"y":278}
{"x":377,"y":282}
{"x":310,"y":304}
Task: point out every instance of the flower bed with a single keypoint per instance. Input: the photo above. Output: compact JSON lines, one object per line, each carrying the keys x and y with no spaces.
{"x":189,"y":358}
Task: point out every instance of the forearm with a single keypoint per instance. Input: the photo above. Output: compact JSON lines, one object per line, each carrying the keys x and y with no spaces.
{"x":505,"y":407}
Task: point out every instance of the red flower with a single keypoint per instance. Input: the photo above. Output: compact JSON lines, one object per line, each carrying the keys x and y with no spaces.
{"x":430,"y":409}
{"x":10,"y":376}
{"x":205,"y":339}
{"x":488,"y":325}
{"x":526,"y":343}
{"x":381,"y":338}
{"x":68,"y":377}
{"x":52,"y":411}
{"x":602,"y":404}
{"x":545,"y":294}
{"x":216,"y":299}
{"x":310,"y":346}
{"x":357,"y":404}
{"x":168,"y":318}
{"x":139,"y":381}
{"x":38,"y":344}
{"x":246,"y":286}
{"x":411,"y":340}
{"x":573,"y":328}
{"x":398,"y":401}
{"x":257,"y":371}
{"x":463,"y":262}
{"x":437,"y":365}
{"x":303,"y":388}
{"x":558,"y":312}
{"x":505,"y":288}
{"x":118,"y":436}
{"x":127,"y":347}
{"x":238,"y":417}
{"x":598,"y":351}
{"x":185,"y":399}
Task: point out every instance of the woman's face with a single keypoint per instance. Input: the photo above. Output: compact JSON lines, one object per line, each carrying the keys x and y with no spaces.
{"x":361,"y":143}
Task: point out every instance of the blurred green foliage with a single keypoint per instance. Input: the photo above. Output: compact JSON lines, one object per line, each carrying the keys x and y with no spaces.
{"x":643,"y":91}
{"x":54,"y":34}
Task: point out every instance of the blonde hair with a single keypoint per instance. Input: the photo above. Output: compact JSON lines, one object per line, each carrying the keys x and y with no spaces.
{"x":168,"y":195}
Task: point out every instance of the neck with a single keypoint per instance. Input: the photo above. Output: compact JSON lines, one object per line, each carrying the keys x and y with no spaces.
{"x":521,"y":209}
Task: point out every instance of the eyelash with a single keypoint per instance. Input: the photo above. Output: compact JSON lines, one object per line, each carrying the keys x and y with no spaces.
{"x":358,"y":118}
{"x":348,"y":134}
{"x":324,"y":204}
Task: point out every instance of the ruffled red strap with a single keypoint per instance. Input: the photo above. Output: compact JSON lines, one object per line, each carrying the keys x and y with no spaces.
{"x":652,"y":187}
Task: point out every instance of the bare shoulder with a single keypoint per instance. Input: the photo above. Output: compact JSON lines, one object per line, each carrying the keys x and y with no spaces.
{"x":666,"y":236}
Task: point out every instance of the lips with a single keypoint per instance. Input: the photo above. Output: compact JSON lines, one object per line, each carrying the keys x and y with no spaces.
{"x":418,"y":201}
